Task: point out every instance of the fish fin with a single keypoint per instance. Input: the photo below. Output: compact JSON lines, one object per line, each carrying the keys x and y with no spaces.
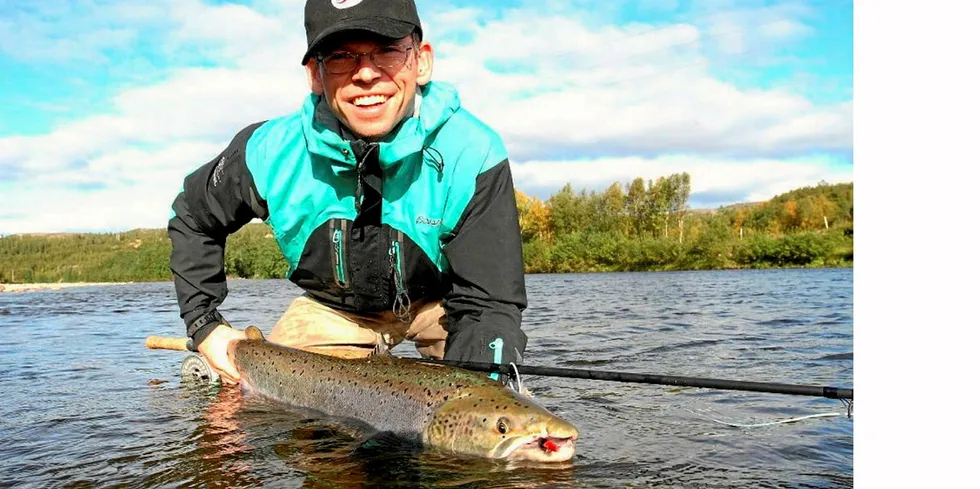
{"x":254,"y":333}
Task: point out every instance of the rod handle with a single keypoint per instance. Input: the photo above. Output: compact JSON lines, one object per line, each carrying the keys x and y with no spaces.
{"x":167,"y":343}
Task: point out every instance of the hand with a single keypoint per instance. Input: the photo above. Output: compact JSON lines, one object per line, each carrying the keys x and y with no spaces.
{"x":214,"y":349}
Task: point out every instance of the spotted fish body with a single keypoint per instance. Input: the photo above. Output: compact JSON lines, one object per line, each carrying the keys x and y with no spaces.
{"x":436,"y":405}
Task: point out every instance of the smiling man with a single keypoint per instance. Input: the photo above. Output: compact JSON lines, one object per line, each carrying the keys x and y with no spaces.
{"x":392,"y":204}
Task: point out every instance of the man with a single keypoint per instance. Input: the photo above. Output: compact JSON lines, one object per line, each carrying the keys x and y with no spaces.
{"x":393,"y":206}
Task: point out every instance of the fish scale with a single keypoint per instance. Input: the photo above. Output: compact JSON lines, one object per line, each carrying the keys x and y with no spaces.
{"x":438,"y":405}
{"x":347,"y":388}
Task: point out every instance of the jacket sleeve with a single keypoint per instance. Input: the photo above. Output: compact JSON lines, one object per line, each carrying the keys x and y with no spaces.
{"x":487,"y":293}
{"x":217,"y":199}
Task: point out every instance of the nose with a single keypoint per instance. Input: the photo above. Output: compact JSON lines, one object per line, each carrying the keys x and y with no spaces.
{"x":366,"y":71}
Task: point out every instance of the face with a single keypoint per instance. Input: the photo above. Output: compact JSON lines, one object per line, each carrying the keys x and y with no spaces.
{"x":370,"y":100}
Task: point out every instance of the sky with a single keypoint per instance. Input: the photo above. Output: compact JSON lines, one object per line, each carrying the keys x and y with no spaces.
{"x":106,"y":105}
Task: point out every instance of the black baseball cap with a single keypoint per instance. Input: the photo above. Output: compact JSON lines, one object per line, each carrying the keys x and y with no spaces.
{"x":388,"y":18}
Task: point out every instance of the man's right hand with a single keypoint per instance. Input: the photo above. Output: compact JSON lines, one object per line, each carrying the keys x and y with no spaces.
{"x":214,"y":349}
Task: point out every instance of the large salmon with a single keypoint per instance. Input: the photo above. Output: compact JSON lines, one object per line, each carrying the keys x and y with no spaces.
{"x":436,"y":405}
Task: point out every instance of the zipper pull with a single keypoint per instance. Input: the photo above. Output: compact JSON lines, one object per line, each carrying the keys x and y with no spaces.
{"x":497,"y":346}
{"x":338,"y":254}
{"x":402,"y":305}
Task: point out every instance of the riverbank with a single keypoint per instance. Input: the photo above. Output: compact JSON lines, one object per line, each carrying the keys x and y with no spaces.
{"x":18,"y":288}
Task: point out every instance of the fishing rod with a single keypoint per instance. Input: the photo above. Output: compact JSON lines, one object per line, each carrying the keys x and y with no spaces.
{"x":774,"y":388}
{"x":573,"y":373}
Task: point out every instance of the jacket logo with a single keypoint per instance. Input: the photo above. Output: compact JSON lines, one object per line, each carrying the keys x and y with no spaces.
{"x":219,"y":171}
{"x":427,"y":221}
{"x":342,"y":4}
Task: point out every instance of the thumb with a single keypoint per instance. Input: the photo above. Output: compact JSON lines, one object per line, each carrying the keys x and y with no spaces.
{"x":214,"y":349}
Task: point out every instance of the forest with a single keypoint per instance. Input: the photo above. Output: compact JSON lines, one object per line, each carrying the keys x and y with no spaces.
{"x":641,"y":225}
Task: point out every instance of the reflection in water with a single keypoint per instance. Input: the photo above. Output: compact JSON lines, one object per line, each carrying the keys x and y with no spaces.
{"x":220,"y":453}
{"x":391,"y":463}
{"x":222,"y":443}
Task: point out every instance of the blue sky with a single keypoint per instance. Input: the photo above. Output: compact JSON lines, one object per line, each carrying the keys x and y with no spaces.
{"x":108,"y":104}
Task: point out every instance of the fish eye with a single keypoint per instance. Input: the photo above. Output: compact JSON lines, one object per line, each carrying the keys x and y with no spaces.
{"x":503,"y":426}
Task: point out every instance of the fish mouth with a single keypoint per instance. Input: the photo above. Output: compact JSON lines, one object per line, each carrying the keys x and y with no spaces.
{"x":538,"y":448}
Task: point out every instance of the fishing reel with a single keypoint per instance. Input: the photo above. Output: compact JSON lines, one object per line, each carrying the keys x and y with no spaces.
{"x":196,"y":369}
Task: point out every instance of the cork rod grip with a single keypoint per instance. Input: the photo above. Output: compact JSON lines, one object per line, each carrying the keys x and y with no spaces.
{"x":167,"y":343}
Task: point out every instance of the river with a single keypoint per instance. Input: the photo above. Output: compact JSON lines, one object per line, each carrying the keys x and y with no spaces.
{"x":85,"y":404}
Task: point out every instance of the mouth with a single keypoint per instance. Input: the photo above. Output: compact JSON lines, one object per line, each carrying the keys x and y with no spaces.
{"x":369,"y":101}
{"x":541,"y":449}
{"x":552,"y":444}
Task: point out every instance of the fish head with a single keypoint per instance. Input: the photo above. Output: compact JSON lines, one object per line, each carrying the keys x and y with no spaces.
{"x":496,"y":422}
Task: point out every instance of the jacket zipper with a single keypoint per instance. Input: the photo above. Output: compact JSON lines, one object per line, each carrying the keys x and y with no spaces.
{"x":401,"y":306}
{"x":340,"y":275}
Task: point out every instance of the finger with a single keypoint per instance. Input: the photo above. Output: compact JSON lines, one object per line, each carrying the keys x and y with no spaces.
{"x":232,"y":377}
{"x":226,"y":376}
{"x":230,"y":369}
{"x":225,"y":370}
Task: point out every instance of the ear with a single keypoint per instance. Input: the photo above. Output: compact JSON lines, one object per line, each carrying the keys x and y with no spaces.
{"x":424,"y":64}
{"x":313,"y":77}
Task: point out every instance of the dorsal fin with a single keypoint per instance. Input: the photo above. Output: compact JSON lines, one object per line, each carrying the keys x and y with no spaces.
{"x":254,"y":333}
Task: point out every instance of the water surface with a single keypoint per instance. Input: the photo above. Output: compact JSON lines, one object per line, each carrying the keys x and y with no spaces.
{"x":85,"y":404}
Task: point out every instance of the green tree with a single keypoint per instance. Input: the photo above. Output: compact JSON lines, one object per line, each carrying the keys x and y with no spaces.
{"x":568,"y":211}
{"x":612,"y":210}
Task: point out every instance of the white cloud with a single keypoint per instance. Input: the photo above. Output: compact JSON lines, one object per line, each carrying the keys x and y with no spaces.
{"x":751,"y":180}
{"x":757,"y":29}
{"x":193,"y":105}
{"x":239,"y":36}
{"x":135,"y":189}
{"x":64,"y":31}
{"x":72,"y":210}
{"x":728,"y":35}
{"x":652,"y":93}
{"x":784,"y":28}
{"x":573,"y":101}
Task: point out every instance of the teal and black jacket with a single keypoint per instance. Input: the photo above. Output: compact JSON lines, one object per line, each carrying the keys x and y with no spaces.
{"x":427,"y":213}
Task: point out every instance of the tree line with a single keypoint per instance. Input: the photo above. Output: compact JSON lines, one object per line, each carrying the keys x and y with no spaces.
{"x":649,"y":226}
{"x":641,"y":225}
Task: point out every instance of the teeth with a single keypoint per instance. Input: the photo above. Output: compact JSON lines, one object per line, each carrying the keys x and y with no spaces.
{"x":370,"y":100}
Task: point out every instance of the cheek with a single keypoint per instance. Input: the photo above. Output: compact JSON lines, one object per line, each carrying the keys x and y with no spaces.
{"x":332,"y":92}
{"x":407,"y":82}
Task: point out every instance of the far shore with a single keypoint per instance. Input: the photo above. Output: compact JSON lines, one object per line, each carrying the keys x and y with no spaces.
{"x":15,"y":288}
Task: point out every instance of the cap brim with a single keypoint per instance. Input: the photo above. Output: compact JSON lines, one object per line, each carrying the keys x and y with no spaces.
{"x":382,"y":26}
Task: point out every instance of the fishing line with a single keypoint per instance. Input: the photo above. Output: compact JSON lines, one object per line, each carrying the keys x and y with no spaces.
{"x":849,"y":404}
{"x":517,"y":376}
{"x":770,"y":423}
